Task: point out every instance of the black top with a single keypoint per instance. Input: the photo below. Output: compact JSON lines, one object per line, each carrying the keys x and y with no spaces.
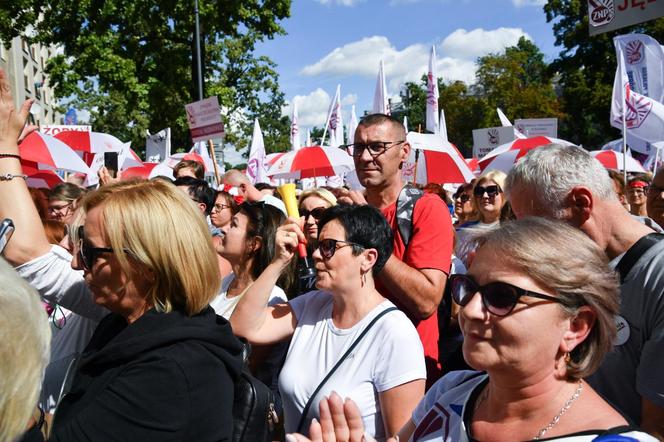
{"x":165,"y":377}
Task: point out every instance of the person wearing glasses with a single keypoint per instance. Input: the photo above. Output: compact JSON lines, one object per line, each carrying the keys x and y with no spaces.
{"x":385,"y":374}
{"x":62,"y":202}
{"x":223,"y":210}
{"x":415,"y":274}
{"x":465,"y":211}
{"x":637,"y":189}
{"x":489,"y":200}
{"x":533,"y":333}
{"x":311,"y":205}
{"x":654,"y":200}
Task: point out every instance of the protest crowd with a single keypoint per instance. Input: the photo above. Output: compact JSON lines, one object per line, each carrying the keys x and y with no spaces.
{"x":521,"y":304}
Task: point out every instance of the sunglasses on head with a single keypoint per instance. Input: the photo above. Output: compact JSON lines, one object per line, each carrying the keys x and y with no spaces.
{"x":316,"y":213}
{"x":328,"y":246}
{"x":491,"y":190}
{"x":498,"y":297}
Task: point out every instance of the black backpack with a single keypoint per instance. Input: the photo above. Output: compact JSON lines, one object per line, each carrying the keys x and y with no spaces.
{"x":254,"y":414}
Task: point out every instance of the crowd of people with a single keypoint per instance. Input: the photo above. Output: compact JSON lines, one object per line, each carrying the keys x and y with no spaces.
{"x":524,"y":306}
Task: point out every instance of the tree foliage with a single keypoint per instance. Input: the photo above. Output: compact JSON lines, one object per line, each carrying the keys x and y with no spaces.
{"x":130,"y":62}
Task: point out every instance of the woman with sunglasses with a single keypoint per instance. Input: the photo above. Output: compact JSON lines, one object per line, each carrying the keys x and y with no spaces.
{"x":385,"y":374}
{"x":312,"y":203}
{"x":537,"y":313}
{"x":489,"y":200}
{"x":465,"y":211}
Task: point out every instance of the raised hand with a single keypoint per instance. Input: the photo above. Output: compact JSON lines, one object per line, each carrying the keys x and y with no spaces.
{"x":12,"y":120}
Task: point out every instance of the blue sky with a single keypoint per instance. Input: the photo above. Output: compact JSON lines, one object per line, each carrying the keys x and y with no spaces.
{"x":332,"y":42}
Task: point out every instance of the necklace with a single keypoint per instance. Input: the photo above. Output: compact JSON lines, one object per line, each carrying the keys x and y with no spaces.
{"x":562,"y":411}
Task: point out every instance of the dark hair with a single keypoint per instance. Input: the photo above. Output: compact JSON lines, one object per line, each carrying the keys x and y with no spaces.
{"x":264,"y":220}
{"x":199,"y":170}
{"x":263,"y":186}
{"x":364,"y":225}
{"x":199,"y":190}
{"x":378,"y":119}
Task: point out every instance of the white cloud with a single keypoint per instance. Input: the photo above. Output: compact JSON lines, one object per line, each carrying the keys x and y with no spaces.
{"x":456,"y":56}
{"x":312,"y":108}
{"x":478,"y":42}
{"x":520,"y":3}
{"x":339,"y":2}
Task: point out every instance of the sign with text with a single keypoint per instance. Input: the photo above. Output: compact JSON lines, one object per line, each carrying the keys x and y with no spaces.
{"x":487,"y":139}
{"x":158,"y":146}
{"x":535,"y":127}
{"x":204,"y":119}
{"x":609,"y":15}
{"x":55,"y":129}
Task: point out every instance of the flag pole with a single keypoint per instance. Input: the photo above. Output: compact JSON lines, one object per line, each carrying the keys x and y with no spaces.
{"x":214,"y":161}
{"x":621,"y":65}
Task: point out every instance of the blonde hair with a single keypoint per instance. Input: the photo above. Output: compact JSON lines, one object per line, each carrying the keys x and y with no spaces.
{"x":157,"y":225}
{"x":568,"y":262}
{"x":25,"y":339}
{"x":320,"y":193}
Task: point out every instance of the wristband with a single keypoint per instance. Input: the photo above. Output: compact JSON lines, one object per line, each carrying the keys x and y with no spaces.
{"x":10,"y":155}
{"x":11,"y":176}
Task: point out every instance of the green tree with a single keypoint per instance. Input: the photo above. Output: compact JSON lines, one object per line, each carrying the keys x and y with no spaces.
{"x":131,"y":64}
{"x":586,"y":67}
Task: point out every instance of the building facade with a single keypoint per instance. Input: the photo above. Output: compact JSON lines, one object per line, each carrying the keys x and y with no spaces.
{"x":25,"y":64}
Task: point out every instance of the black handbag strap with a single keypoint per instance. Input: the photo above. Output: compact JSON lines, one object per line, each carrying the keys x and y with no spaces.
{"x":305,"y":412}
{"x":635,"y":252}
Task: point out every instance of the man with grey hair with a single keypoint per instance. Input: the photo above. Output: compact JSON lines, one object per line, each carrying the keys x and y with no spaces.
{"x":566,"y":183}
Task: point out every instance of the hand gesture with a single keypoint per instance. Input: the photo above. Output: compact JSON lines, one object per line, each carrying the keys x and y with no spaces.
{"x":12,"y":120}
{"x":288,"y":236}
{"x":352,"y":197}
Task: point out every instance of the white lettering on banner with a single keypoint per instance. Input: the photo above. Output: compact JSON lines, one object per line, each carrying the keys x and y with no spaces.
{"x":609,"y":15}
{"x":55,"y":129}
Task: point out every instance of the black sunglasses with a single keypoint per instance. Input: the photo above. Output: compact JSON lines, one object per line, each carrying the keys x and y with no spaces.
{"x":498,"y":297}
{"x":464,"y":197}
{"x":375,"y":148}
{"x":88,"y":254}
{"x":491,"y":191}
{"x":328,"y":246}
{"x":316,"y":213}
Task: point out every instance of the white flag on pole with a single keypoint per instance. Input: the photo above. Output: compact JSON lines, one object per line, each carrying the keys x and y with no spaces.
{"x":405,"y":123}
{"x":334,"y":123}
{"x":381,"y":105}
{"x":352,"y":125}
{"x":256,"y":163}
{"x":295,"y":129}
{"x":507,"y":123}
{"x":309,"y":143}
{"x":432,"y":94}
{"x":443,"y":125}
{"x":644,"y":64}
{"x":644,"y":117}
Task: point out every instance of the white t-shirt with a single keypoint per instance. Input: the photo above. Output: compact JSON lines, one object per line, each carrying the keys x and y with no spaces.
{"x":444,"y":413}
{"x":389,"y":355}
{"x":224,"y":306}
{"x":58,"y":284}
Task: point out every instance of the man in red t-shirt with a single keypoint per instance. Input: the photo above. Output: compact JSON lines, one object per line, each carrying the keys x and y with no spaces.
{"x":415,"y":275}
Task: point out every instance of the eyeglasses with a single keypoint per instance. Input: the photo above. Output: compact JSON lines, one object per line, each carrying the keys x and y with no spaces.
{"x":220,"y":207}
{"x":464,"y":197}
{"x":491,"y":191}
{"x":376,"y":148}
{"x":498,"y":297}
{"x":59,"y":208}
{"x":88,"y":254}
{"x":316,"y":213}
{"x":328,"y":246}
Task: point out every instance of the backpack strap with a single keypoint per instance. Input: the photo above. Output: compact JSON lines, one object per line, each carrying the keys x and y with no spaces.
{"x":305,"y":412}
{"x":404,"y":211}
{"x":635,"y":252}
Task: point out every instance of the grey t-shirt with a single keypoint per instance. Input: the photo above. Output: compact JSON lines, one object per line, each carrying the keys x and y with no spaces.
{"x":635,"y":366}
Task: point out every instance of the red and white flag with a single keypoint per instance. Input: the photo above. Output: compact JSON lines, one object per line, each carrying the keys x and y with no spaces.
{"x":256,"y":164}
{"x":334,"y":123}
{"x":381,"y":105}
{"x":644,"y":64}
{"x":505,"y":122}
{"x":295,"y":129}
{"x":643,"y":116}
{"x":432,"y":94}
{"x":442,"y":127}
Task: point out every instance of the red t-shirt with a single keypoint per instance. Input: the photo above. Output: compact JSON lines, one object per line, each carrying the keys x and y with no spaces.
{"x":430,"y":247}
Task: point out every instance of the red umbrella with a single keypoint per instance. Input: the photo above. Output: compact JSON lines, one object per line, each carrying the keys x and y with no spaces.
{"x":313,"y":161}
{"x":39,"y":178}
{"x":148,"y":170}
{"x":506,"y":155}
{"x":50,"y":153}
{"x":438,"y":161}
{"x":614,"y":160}
{"x":93,"y":142}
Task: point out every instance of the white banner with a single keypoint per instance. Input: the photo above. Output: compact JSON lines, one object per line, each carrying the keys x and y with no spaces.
{"x":535,"y":127}
{"x":644,"y":64}
{"x":54,"y":129}
{"x":609,"y":15}
{"x":158,"y":146}
{"x":204,"y":119}
{"x":488,"y":138}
